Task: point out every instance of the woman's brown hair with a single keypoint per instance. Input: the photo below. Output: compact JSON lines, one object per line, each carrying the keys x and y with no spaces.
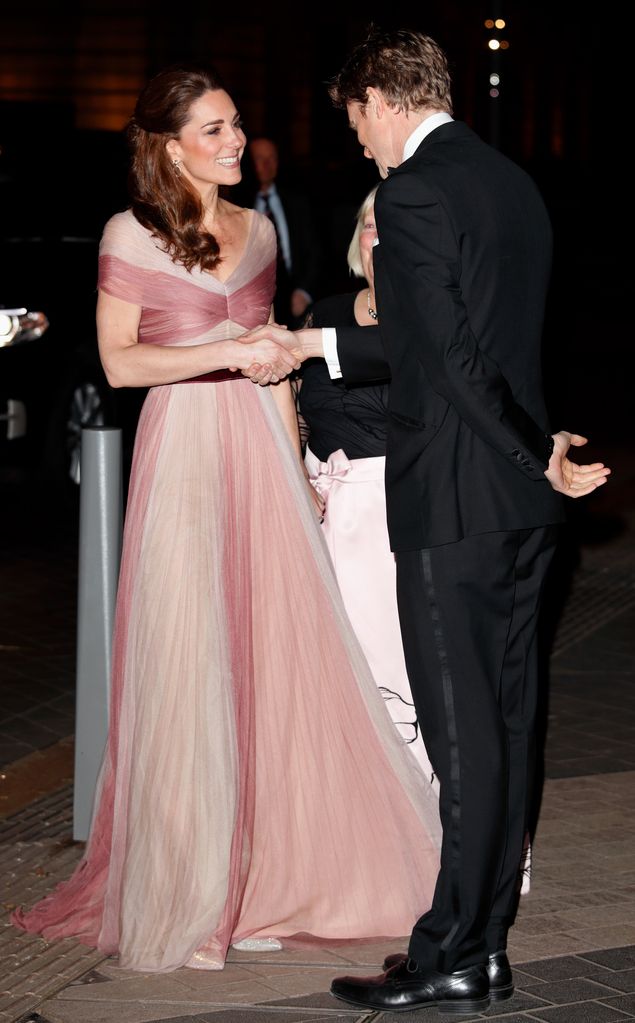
{"x":162,"y":200}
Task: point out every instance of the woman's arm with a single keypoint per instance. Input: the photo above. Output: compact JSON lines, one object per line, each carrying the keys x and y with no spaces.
{"x":130,"y":364}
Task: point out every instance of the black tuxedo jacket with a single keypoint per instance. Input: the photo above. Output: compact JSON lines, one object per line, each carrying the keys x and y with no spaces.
{"x":461,"y":275}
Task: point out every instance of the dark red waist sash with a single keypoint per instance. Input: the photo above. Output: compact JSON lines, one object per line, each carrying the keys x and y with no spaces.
{"x":213,"y":378}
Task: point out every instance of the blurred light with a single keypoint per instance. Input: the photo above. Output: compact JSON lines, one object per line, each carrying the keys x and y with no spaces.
{"x":6,"y":326}
{"x":17,"y":325}
{"x":493,"y":44}
{"x":493,"y":93}
{"x":504,"y":44}
{"x":499,"y":23}
{"x":489,"y":23}
{"x":494,"y":79}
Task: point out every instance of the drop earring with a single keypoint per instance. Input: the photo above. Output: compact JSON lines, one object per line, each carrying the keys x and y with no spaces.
{"x":177,"y":168}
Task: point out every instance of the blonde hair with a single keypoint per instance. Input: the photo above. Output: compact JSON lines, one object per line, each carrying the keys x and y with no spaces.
{"x":354,"y":254}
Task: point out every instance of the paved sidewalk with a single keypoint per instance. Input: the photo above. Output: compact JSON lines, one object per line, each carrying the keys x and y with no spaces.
{"x":574,"y":943}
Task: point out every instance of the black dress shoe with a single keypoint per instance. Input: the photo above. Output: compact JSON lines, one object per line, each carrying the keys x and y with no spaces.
{"x":405,"y":987}
{"x":499,"y":972}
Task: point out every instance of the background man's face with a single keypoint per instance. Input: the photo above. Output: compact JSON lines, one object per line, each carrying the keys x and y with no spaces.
{"x":264,"y":154}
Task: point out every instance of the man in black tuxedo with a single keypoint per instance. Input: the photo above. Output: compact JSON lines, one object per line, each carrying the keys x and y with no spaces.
{"x":299,"y":249}
{"x":473,"y":479}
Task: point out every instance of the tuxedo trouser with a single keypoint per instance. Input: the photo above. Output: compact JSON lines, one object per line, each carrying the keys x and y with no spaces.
{"x":469,"y":616}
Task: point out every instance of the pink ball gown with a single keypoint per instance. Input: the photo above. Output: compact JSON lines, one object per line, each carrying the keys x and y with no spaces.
{"x":253,"y":784}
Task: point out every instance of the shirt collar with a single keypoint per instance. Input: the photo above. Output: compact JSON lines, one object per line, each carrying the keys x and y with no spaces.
{"x":427,"y":125}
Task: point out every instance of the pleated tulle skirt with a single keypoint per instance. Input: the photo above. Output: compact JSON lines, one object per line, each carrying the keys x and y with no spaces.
{"x":253,"y":782}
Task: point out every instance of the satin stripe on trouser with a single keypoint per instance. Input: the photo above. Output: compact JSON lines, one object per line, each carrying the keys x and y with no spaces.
{"x":469,"y":614}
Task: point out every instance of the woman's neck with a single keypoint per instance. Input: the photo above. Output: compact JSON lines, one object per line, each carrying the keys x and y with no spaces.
{"x":211,"y":205}
{"x":364,"y":301}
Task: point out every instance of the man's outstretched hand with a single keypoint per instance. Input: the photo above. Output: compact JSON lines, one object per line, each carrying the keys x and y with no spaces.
{"x":305,"y":343}
{"x":265,"y":372}
{"x":568,"y":477}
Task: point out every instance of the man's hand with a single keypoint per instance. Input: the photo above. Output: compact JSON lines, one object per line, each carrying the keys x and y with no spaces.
{"x":299,"y":344}
{"x":568,"y":477}
{"x":266,"y":372}
{"x":273,"y":361}
{"x":272,"y":332}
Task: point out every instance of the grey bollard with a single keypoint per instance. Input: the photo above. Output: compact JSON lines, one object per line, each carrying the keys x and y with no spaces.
{"x":100,"y":534}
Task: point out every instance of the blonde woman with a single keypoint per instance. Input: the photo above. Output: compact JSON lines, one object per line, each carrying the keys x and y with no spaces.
{"x":345,"y":458}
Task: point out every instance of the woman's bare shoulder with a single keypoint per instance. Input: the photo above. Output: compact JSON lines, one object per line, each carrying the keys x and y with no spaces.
{"x":123,"y":227}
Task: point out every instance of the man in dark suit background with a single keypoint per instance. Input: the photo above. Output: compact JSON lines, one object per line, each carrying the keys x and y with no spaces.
{"x":298,"y":238}
{"x":473,"y":479}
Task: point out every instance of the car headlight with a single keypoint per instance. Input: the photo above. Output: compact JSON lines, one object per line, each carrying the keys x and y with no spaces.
{"x":18,"y":325}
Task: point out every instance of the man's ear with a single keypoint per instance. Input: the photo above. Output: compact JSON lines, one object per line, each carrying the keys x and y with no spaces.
{"x":375,"y":101}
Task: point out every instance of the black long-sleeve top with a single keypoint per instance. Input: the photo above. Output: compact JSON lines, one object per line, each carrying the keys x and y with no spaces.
{"x":352,"y":418}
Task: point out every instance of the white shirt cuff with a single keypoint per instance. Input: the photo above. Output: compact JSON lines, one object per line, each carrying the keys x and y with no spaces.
{"x":329,"y":347}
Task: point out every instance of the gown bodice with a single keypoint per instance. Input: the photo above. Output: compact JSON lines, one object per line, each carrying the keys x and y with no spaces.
{"x":181,"y":306}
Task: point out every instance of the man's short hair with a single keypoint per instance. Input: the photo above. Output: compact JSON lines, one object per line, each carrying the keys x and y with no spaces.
{"x":409,"y":69}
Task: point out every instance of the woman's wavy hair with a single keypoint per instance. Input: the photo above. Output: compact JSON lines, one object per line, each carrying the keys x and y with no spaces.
{"x":163,"y":201}
{"x":409,"y":68}
{"x":354,"y":254}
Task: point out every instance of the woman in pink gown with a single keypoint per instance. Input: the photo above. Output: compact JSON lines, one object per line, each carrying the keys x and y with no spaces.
{"x":253,"y":784}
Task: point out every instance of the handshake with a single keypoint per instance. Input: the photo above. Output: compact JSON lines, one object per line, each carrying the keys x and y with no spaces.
{"x":269,"y":353}
{"x":273,"y":351}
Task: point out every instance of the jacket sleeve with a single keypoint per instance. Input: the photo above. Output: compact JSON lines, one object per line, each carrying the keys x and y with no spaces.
{"x":361,"y":355}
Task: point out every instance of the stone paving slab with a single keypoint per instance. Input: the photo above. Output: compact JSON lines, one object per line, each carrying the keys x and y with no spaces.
{"x":573,"y":945}
{"x":39,"y":773}
{"x":568,"y":989}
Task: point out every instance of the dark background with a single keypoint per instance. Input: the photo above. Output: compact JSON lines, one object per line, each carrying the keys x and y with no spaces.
{"x":70,"y":76}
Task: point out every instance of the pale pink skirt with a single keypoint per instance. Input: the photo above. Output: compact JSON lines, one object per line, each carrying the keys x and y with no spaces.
{"x":357,"y":538}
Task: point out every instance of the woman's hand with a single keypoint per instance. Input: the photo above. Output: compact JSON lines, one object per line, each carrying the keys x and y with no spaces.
{"x":305,"y":343}
{"x":257,"y":348}
{"x":265,"y":372}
